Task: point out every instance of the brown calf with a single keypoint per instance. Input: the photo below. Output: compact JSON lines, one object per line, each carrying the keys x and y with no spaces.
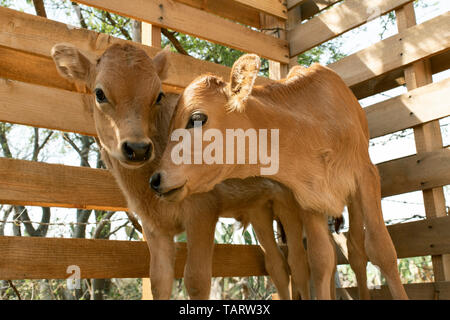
{"x":322,"y":153}
{"x":131,"y":118}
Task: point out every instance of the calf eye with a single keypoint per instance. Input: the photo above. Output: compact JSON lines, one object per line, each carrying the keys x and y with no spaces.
{"x":197,"y":116}
{"x":100,"y":96}
{"x":160,"y":96}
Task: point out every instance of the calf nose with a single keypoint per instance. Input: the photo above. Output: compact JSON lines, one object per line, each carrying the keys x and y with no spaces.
{"x":155,"y":182}
{"x":136,"y":151}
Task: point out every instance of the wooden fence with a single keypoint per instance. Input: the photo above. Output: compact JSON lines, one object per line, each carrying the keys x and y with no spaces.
{"x":32,"y":93}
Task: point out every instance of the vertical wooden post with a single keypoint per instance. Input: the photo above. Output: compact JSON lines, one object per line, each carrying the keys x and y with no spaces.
{"x":277,"y":28}
{"x":151,"y":36}
{"x":427,"y":138}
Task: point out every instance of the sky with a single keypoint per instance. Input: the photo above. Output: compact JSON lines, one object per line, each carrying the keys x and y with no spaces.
{"x":383,"y":149}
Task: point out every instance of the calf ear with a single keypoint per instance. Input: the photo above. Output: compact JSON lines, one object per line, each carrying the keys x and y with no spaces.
{"x":161,"y":62}
{"x":243,"y":76}
{"x":71,"y":63}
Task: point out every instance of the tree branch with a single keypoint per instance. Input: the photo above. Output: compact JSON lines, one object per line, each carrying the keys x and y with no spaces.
{"x":77,"y":10}
{"x":124,"y":31}
{"x":171,"y":36}
{"x":40,"y":8}
{"x":102,"y":224}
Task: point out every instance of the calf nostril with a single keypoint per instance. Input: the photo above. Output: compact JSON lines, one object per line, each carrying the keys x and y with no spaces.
{"x":128,"y":151}
{"x":136,"y":151}
{"x":155,"y":181}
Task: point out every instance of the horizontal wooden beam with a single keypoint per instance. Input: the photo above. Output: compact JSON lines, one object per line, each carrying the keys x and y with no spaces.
{"x":293,"y":3}
{"x":272,"y":7}
{"x":45,"y":107}
{"x":418,"y":238}
{"x":416,"y":291}
{"x":229,"y":9}
{"x":198,"y":23}
{"x":309,"y":8}
{"x":26,"y":41}
{"x":395,"y":78}
{"x":53,"y":185}
{"x":337,"y":20}
{"x":417,"y":172}
{"x":413,"y":44}
{"x":48,"y":258}
{"x":41,"y":184}
{"x":410,"y":109}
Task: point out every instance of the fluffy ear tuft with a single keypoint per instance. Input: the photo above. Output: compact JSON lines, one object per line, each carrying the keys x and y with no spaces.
{"x":161,"y":62}
{"x":243,"y":76}
{"x":71,"y":63}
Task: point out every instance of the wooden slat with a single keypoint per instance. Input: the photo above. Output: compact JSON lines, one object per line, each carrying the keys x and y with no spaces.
{"x":398,"y":176}
{"x":410,"y":109}
{"x":293,"y":3}
{"x":427,"y":138}
{"x":396,"y":78}
{"x":41,"y":184}
{"x":229,"y":9}
{"x":417,"y":172}
{"x":53,"y":185}
{"x":39,"y":106}
{"x":186,"y":19}
{"x":48,"y":258}
{"x":418,"y":238}
{"x":311,"y":7}
{"x":394,"y":52}
{"x":416,"y":291}
{"x":272,"y":7}
{"x":334,"y":22}
{"x":32,"y":38}
{"x":32,"y":104}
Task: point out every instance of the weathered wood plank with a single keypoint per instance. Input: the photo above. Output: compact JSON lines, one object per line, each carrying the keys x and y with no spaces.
{"x":410,"y":109}
{"x":272,"y":7}
{"x":48,"y":258}
{"x":394,"y":52}
{"x":26,"y":41}
{"x":339,"y":19}
{"x":53,"y":185}
{"x":427,"y":137}
{"x":229,"y":9}
{"x":39,"y":106}
{"x":417,"y":172}
{"x":416,"y":291}
{"x":396,"y":78}
{"x":186,"y":19}
{"x":310,"y":7}
{"x":293,"y":3}
{"x":418,"y":238}
{"x":41,"y":184}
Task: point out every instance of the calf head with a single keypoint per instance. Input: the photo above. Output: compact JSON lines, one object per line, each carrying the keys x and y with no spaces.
{"x":212,"y":105}
{"x":125,"y":90}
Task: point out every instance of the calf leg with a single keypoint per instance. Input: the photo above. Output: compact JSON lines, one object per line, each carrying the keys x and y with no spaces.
{"x":162,"y":252}
{"x":291,"y":221}
{"x":200,"y":247}
{"x":262,"y":222}
{"x":378,"y":243}
{"x":355,"y":244}
{"x":321,"y":253}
